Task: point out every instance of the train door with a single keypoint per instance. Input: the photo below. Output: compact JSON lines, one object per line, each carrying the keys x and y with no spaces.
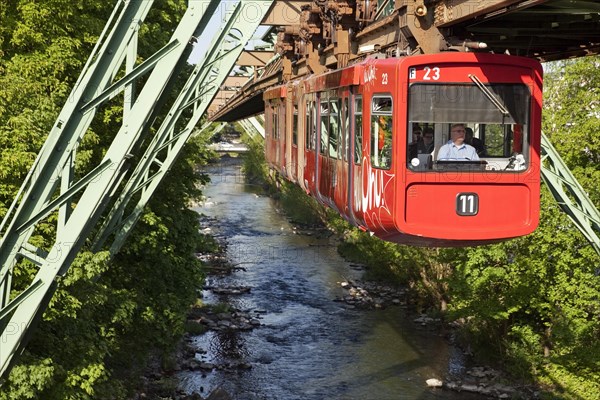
{"x":376,"y":199}
{"x":310,"y":144}
{"x":302,"y":140}
{"x":293,"y":157}
{"x":291,"y":135}
{"x":354,"y":152}
{"x":329,"y":150}
{"x":272,"y":120}
{"x":342,"y":169}
{"x":273,"y":125}
{"x":323,"y":168}
{"x":281,"y":135}
{"x":297,"y":132}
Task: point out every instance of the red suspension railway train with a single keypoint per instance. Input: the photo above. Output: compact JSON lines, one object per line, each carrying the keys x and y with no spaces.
{"x":350,"y":138}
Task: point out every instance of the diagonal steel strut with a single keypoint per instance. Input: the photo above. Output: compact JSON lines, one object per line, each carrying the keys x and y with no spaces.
{"x":49,"y":184}
{"x":569,"y":194}
{"x":221,"y":57}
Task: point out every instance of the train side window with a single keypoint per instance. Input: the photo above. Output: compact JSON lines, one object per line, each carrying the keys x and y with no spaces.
{"x":268,"y":119}
{"x":310,"y":125}
{"x":307,"y":125}
{"x":345,"y":128}
{"x":358,"y":133}
{"x":497,"y":140}
{"x":381,"y":132}
{"x":334,"y":127}
{"x":295,"y":126}
{"x":275,"y":119}
{"x":324,"y":126}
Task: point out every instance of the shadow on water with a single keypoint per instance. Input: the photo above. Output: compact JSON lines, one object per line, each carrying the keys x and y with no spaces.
{"x":308,"y":346}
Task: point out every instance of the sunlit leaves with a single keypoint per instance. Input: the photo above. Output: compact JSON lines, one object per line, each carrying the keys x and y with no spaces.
{"x":28,"y":380}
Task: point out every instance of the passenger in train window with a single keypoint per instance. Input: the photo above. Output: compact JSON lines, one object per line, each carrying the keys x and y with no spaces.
{"x":413,"y":147}
{"x":381,"y":144}
{"x":456,"y":148}
{"x":475,"y":142}
{"x":426,"y":145}
{"x":382,"y":132}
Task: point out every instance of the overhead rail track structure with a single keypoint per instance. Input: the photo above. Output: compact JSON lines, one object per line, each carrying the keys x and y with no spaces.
{"x":319,"y":36}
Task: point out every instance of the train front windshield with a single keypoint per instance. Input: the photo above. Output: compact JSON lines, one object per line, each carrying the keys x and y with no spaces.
{"x":493,"y":118}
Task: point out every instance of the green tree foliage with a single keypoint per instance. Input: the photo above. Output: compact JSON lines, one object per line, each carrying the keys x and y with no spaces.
{"x":107,"y":315}
{"x":536,"y":300}
{"x":572,"y":118}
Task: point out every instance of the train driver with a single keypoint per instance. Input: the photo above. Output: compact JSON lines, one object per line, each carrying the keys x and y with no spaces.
{"x":456,"y":149}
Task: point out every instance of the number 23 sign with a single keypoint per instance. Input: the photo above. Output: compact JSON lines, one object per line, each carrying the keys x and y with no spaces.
{"x":429,"y":73}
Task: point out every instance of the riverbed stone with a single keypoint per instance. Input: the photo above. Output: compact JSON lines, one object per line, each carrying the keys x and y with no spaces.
{"x":433,"y":382}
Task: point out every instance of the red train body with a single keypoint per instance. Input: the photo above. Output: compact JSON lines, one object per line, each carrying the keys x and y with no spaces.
{"x":348,"y":138}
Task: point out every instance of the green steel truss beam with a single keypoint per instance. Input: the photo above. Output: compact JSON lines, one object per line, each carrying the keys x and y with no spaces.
{"x":253,"y":127}
{"x":197,"y":94}
{"x":50,"y":188}
{"x":569,"y":194}
{"x":51,"y":168}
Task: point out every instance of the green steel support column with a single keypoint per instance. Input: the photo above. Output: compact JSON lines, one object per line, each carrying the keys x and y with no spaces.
{"x":569,"y":194}
{"x":199,"y":91}
{"x":45,"y":190}
{"x":254,"y":128}
{"x":221,"y":126}
{"x":258,"y":126}
{"x":248,"y":128}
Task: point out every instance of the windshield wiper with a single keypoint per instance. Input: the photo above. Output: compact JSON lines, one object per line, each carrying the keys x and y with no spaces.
{"x":489,"y":95}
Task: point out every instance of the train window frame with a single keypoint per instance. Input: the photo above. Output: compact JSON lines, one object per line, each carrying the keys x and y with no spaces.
{"x":510,"y":113}
{"x":295,"y":125}
{"x":268,"y":112}
{"x":357,"y":129}
{"x":382,"y":129}
{"x":310,"y":137}
{"x":345,"y":127}
{"x":275,"y":120}
{"x":334,"y":128}
{"x":323,"y":124}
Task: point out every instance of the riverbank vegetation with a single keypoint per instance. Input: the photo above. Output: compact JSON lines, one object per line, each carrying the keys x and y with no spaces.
{"x":108,"y":316}
{"x":529,"y":305}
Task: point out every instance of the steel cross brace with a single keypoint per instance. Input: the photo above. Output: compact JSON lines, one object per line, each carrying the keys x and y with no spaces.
{"x":49,"y":187}
{"x":199,"y":91}
{"x":569,"y":194}
{"x":252,"y":127}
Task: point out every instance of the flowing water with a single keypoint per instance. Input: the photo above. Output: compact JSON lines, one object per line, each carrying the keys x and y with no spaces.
{"x":308,"y":346}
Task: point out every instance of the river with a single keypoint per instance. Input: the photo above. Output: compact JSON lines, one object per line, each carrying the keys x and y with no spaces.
{"x":308,"y":346}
